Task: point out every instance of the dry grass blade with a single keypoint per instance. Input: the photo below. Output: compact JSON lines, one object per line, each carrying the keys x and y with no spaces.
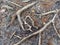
{"x":39,"y":31}
{"x":21,"y":10}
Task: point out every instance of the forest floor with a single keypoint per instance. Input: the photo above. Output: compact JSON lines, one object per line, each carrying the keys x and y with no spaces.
{"x":29,"y":22}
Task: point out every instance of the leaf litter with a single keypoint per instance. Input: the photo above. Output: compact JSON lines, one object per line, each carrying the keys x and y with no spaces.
{"x":29,"y":22}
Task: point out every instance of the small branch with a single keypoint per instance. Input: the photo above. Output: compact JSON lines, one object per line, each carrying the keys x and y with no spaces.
{"x":21,"y":10}
{"x":25,"y":7}
{"x":12,"y":34}
{"x":18,"y":36}
{"x":12,"y":20}
{"x":35,"y":33}
{"x":14,"y":3}
{"x":27,"y":25}
{"x":15,"y":35}
{"x":54,"y":11}
{"x":54,"y":24}
{"x":30,"y":19}
{"x":29,"y":28}
{"x":39,"y":31}
{"x":7,"y":7}
{"x":20,"y":22}
{"x":56,"y":30}
{"x":39,"y":39}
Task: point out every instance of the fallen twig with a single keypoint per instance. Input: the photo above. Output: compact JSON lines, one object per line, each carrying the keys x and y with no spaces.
{"x":12,"y":20}
{"x":12,"y":34}
{"x":39,"y":31}
{"x":21,"y":10}
{"x":54,"y":11}
{"x":14,"y":3}
{"x":18,"y":36}
{"x":39,"y":43}
{"x":27,"y":25}
{"x":7,"y":7}
{"x":54,"y":25}
{"x":56,"y":30}
{"x":30,"y":19}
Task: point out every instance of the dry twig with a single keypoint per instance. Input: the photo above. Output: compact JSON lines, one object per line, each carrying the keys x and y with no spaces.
{"x":54,"y":11}
{"x":56,"y":30}
{"x":54,"y":25}
{"x":12,"y":20}
{"x":39,"y":43}
{"x":7,"y":7}
{"x":14,"y":3}
{"x":18,"y":36}
{"x":30,"y":19}
{"x":19,"y":13}
{"x":27,"y":25}
{"x":21,"y":10}
{"x":12,"y":34}
{"x":39,"y":31}
{"x":15,"y":35}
